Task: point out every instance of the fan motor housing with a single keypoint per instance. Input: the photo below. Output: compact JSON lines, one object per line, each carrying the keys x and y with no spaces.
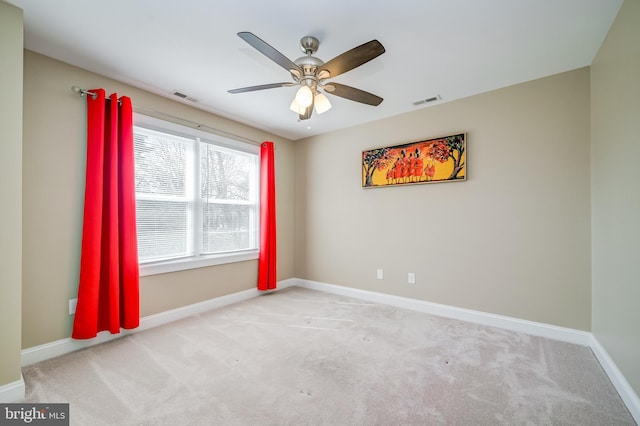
{"x":309,"y":64}
{"x":308,"y":61}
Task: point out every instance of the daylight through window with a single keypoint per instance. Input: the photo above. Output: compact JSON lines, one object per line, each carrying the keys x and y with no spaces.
{"x":196,"y":196}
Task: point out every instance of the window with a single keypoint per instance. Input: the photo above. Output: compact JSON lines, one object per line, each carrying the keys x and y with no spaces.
{"x":196,"y":197}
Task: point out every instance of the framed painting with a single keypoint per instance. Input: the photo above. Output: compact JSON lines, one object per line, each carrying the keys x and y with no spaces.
{"x":428,"y":161}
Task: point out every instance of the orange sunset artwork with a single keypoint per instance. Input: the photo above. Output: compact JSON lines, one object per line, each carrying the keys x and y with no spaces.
{"x":428,"y":161}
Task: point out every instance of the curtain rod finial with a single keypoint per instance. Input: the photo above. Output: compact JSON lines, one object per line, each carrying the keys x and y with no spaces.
{"x":83,"y":92}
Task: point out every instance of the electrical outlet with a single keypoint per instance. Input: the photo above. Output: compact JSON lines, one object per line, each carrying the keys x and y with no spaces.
{"x":411,"y":278}
{"x":72,"y":306}
{"x":380,"y":274}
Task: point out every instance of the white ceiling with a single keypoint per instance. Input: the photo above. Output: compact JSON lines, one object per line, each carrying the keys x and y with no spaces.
{"x":451,"y":48}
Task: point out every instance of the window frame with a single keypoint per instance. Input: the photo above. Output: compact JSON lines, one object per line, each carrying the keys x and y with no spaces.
{"x":202,"y":260}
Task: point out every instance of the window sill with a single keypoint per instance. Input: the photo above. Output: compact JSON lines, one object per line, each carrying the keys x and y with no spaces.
{"x":192,"y":263}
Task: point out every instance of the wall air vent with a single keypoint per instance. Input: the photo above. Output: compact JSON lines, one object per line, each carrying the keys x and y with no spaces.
{"x":183,"y":96}
{"x":427,"y":100}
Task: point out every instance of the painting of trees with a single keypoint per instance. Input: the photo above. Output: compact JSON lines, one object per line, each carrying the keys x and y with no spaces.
{"x":427,"y":161}
{"x":450,"y":147}
{"x":375,"y":159}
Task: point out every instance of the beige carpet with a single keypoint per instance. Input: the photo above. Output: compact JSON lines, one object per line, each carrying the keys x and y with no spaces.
{"x":301,"y":357}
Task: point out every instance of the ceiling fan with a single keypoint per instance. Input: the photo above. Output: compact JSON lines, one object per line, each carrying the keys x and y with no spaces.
{"x":311,"y":73}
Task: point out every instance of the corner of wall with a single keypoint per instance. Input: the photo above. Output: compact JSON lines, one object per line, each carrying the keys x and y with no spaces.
{"x":11,"y":78}
{"x":12,"y":392}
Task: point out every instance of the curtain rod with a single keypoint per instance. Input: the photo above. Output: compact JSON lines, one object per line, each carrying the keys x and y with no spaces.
{"x":83,"y":92}
{"x":143,"y":110}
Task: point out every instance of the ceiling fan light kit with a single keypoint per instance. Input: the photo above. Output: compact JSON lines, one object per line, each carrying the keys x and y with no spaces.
{"x":310,"y":74}
{"x":321,"y":103}
{"x":304,"y":96}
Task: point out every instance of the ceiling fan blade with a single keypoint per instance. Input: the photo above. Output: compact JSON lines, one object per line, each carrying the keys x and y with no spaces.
{"x":353,"y":58}
{"x":261,"y":87}
{"x":307,"y":112}
{"x":268,"y":51}
{"x":353,"y":94}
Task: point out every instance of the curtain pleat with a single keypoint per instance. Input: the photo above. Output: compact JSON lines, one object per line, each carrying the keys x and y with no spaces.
{"x":267,"y":260}
{"x":108,"y":290}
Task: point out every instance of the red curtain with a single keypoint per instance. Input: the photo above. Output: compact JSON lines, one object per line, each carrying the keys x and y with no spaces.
{"x":267,"y":262}
{"x":108,"y":291}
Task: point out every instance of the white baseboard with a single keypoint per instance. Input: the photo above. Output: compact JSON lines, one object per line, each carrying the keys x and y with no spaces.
{"x":15,"y":391}
{"x":290,"y":282}
{"x":12,"y":392}
{"x":68,"y":345}
{"x":626,"y":392}
{"x":514,"y":324}
{"x":584,"y":338}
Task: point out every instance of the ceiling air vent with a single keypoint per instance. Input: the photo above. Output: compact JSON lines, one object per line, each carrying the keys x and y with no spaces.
{"x":183,"y":96}
{"x":428,"y":100}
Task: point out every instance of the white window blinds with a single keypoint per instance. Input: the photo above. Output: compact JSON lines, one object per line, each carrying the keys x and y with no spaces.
{"x":194,"y":197}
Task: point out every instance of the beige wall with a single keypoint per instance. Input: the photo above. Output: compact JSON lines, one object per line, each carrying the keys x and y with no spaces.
{"x":54,"y":162}
{"x":11,"y":45}
{"x":615,"y":145}
{"x":538,"y":216}
{"x":514,"y":239}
